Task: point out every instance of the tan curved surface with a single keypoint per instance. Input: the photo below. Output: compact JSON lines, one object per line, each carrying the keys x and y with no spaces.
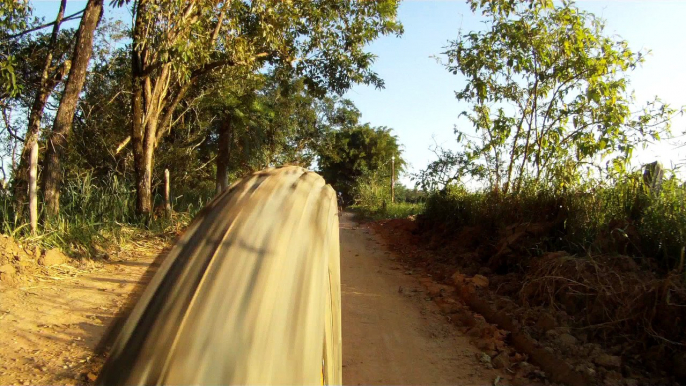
{"x":249,"y":295}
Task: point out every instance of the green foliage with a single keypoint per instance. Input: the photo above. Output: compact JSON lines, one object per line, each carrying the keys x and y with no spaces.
{"x":98,"y":213}
{"x":662,"y":223}
{"x":405,"y":194}
{"x":372,"y":197}
{"x":273,"y":121}
{"x":552,"y":109}
{"x":14,"y":17}
{"x":601,"y":217}
{"x":351,"y":151}
{"x":177,"y":43}
{"x":323,"y":41}
{"x":503,"y":8}
{"x":550,"y":98}
{"x":390,"y":211}
{"x":356,"y":151}
{"x":267,"y":68}
{"x":372,"y":191}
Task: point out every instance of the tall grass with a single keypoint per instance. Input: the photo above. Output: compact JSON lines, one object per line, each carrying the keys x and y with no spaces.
{"x":96,"y":214}
{"x":621,"y":217}
{"x":390,"y":211}
{"x":373,"y":200}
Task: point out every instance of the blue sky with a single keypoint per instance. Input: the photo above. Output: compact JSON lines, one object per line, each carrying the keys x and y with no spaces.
{"x":418,"y":101}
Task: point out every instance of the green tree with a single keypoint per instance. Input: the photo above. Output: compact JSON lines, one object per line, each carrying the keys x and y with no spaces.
{"x":103,"y":119}
{"x":241,"y":126}
{"x":355,"y":150}
{"x":549,"y":95}
{"x":293,"y":129}
{"x":61,"y":129}
{"x":51,"y":73}
{"x":24,"y":113}
{"x":257,"y":120}
{"x":177,"y":42}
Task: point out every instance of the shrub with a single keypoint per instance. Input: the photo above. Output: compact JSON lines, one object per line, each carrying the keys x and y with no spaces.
{"x":619,"y":217}
{"x":373,"y":196}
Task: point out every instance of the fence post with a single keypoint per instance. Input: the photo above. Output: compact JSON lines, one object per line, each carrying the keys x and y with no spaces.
{"x":392,"y":179}
{"x":33,"y":196}
{"x":167,"y":204}
{"x":652,"y":177}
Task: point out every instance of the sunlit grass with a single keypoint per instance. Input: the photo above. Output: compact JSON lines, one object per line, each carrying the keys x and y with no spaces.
{"x":390,"y":211}
{"x":590,"y":218}
{"x":96,"y":215}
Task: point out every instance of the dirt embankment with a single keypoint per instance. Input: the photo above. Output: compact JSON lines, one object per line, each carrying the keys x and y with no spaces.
{"x":54,"y":311}
{"x":583,"y":320}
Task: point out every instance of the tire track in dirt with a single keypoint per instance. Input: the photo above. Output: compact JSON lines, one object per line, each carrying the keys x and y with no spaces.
{"x":391,"y":333}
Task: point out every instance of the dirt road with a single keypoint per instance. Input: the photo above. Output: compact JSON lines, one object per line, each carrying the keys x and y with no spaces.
{"x":391,"y":333}
{"x":52,"y":324}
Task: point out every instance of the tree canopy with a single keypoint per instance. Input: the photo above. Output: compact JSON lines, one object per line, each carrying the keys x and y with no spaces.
{"x":177,"y":42}
{"x":352,"y":150}
{"x":209,"y":89}
{"x":550,"y":98}
{"x":14,"y":16}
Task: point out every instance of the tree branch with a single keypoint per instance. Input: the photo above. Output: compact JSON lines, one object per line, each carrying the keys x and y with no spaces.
{"x":28,"y":31}
{"x":222,"y":14}
{"x":164,"y":127}
{"x":123,"y":144}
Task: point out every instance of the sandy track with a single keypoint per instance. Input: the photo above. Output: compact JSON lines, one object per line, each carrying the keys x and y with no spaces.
{"x":392,"y":336}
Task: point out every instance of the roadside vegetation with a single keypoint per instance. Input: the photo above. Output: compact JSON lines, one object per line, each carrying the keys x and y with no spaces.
{"x":543,"y":198}
{"x":372,"y":198}
{"x":97,"y":112}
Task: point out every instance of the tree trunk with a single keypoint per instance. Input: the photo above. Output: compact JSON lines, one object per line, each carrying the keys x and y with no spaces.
{"x":393,"y":179}
{"x":223,"y":155}
{"x":513,"y":153}
{"x":33,"y":194}
{"x":21,"y":178}
{"x":148,"y":99}
{"x":148,"y":102}
{"x":142,"y":203}
{"x":153,"y":103}
{"x":522,"y":167}
{"x":143,"y":151}
{"x":83,"y":48}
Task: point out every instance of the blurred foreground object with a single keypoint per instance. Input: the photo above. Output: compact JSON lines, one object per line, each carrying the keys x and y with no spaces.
{"x":249,"y":295}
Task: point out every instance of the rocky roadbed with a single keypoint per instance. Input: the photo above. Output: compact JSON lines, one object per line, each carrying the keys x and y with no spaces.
{"x":513,"y":335}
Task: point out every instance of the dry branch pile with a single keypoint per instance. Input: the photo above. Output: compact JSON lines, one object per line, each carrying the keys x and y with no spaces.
{"x":613,"y":300}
